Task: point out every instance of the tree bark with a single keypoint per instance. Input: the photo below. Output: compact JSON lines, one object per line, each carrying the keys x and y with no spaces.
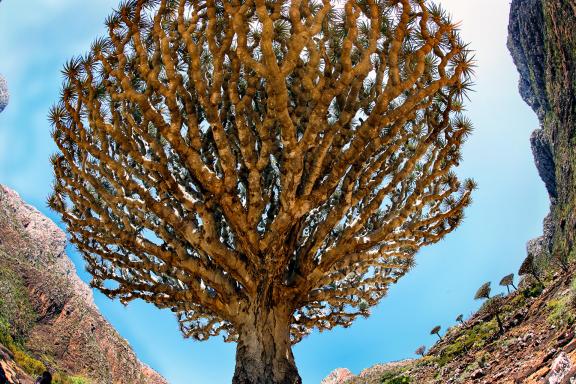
{"x":264,"y":351}
{"x":500,"y":325}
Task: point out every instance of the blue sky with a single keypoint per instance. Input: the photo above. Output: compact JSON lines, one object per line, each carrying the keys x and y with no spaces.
{"x":38,"y":36}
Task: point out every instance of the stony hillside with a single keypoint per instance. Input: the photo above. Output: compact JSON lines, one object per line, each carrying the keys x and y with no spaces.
{"x":537,"y":344}
{"x":47,"y":314}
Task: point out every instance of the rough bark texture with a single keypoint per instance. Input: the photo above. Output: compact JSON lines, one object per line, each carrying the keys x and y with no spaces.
{"x":264,"y":350}
{"x":543,"y":44}
{"x":262,"y":168}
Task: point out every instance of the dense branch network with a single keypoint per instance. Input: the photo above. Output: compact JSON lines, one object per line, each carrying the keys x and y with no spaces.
{"x":210,"y":151}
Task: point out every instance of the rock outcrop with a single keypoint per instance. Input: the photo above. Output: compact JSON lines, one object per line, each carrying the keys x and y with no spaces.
{"x":4,"y":96}
{"x":542,"y":41}
{"x":67,"y":327}
{"x":337,"y":376}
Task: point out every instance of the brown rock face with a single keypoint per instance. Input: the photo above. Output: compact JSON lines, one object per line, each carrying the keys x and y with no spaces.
{"x":337,"y":376}
{"x":68,"y":328}
{"x":542,"y":41}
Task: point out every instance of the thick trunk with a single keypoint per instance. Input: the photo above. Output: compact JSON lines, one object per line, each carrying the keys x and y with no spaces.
{"x":264,"y":352}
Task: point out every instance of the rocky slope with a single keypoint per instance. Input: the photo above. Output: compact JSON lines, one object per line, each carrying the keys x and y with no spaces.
{"x":50,"y":311}
{"x":538,"y":345}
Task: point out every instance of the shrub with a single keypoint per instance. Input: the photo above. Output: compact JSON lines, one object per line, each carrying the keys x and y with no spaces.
{"x":533,"y":290}
{"x":62,"y":378}
{"x":394,"y":377}
{"x":398,"y":380}
{"x":79,"y":380}
{"x":15,"y":305}
{"x":29,"y":364}
{"x":471,"y":339}
{"x":561,"y":312}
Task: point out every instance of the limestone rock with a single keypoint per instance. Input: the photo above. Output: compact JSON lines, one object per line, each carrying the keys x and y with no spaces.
{"x":560,"y":368}
{"x":4,"y":95}
{"x":337,"y":376}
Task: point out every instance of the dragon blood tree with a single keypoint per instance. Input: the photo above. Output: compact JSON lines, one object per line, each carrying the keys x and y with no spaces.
{"x":262,"y":168}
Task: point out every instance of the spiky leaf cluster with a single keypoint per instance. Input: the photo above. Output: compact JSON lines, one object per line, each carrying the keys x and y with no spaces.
{"x":421,"y":350}
{"x":210,"y":151}
{"x":436,"y":330}
{"x":483,"y":292}
{"x":530,"y":267}
{"x":507,"y":280}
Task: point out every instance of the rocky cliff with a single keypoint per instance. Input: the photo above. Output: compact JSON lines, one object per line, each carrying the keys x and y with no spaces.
{"x":51,"y":311}
{"x":542,"y":41}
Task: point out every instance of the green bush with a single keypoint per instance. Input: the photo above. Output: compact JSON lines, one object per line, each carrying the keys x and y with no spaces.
{"x":533,"y":291}
{"x":5,"y":335}
{"x":62,"y":378}
{"x":79,"y":380}
{"x":561,"y":312}
{"x":398,"y":380}
{"x":15,"y":305}
{"x":473,"y":338}
{"x":29,"y":364}
{"x":394,"y":377}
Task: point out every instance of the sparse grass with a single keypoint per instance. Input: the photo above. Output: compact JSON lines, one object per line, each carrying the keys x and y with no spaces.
{"x":29,"y":364}
{"x":517,"y":302}
{"x":394,"y":377}
{"x":563,"y":309}
{"x":62,"y":378}
{"x":15,"y":305}
{"x":533,"y":291}
{"x":473,"y":338}
{"x":79,"y":380}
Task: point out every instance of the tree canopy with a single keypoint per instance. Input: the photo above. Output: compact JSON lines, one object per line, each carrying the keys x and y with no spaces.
{"x":224,"y":158}
{"x":483,"y":292}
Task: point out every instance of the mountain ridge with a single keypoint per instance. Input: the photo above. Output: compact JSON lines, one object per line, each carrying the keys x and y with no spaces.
{"x":67,"y":333}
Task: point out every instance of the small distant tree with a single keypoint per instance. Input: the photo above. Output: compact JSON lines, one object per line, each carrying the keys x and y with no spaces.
{"x":421,"y":350}
{"x":492,"y":306}
{"x":460,"y":319}
{"x":483,"y":292}
{"x":562,"y":260}
{"x":436,"y":331}
{"x":508,"y":281}
{"x":529,"y":267}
